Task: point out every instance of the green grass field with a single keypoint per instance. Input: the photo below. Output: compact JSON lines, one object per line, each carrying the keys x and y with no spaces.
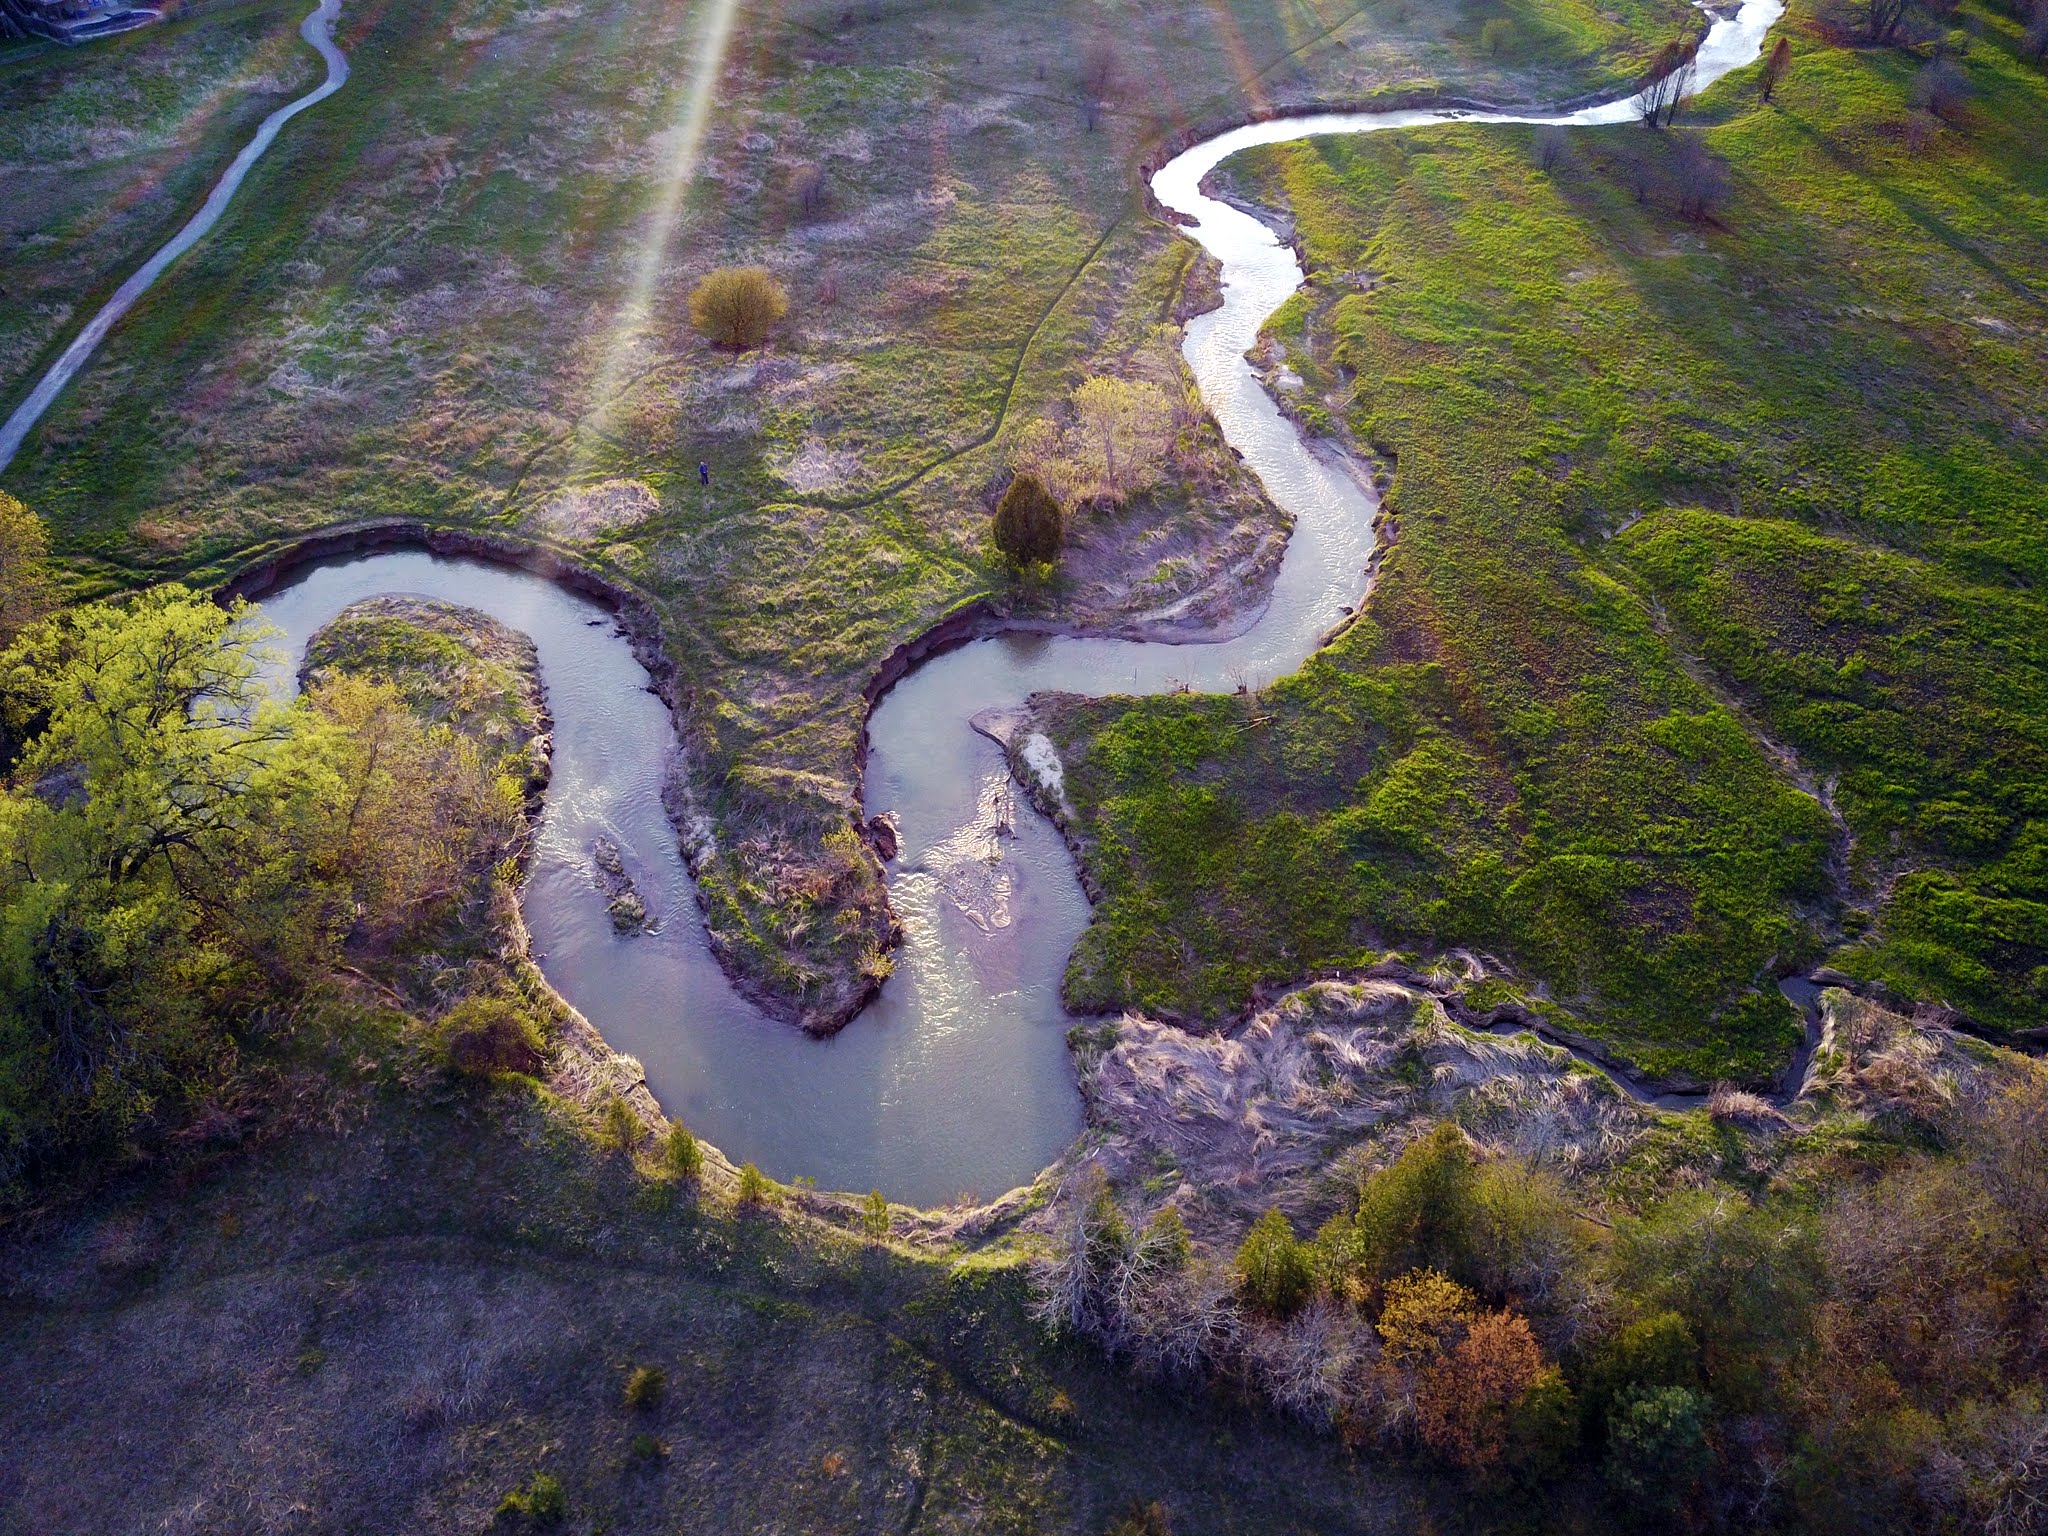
{"x":1706,"y":525}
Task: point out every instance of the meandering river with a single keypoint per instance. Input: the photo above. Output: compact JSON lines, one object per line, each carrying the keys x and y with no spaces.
{"x":957,"y":1078}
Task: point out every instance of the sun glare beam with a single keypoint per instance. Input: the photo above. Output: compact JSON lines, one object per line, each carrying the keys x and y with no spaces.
{"x":630,"y":325}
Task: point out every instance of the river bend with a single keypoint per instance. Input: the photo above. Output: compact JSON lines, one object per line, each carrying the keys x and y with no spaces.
{"x":957,"y":1079}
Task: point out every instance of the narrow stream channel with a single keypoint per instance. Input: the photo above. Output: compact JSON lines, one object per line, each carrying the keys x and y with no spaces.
{"x":957,"y":1079}
{"x":318,"y":30}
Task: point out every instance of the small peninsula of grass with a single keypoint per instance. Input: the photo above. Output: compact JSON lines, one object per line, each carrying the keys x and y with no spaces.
{"x":1710,"y":642}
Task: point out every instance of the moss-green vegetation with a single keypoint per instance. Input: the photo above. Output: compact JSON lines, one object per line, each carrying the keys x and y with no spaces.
{"x":451,"y":292}
{"x":451,"y":665}
{"x":1797,"y":432}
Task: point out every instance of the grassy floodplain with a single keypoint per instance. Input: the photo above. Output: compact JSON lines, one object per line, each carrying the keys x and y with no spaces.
{"x":452,"y":293}
{"x":1711,"y":641}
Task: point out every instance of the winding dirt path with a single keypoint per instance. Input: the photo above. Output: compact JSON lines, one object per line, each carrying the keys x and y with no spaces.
{"x":318,"y":30}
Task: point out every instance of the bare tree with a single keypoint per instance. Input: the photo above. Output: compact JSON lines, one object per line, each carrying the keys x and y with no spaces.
{"x":1702,"y":184}
{"x":1552,"y":144}
{"x":2037,"y":31}
{"x":1098,"y":79}
{"x":1941,"y":88}
{"x":1776,"y":67}
{"x":1882,"y":18}
{"x":810,"y":189}
{"x":1667,"y":83}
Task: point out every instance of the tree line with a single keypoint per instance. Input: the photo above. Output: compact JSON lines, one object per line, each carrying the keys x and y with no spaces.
{"x":181,"y":855}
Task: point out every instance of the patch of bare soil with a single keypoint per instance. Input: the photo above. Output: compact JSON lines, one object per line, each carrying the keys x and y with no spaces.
{"x":1291,"y":1107}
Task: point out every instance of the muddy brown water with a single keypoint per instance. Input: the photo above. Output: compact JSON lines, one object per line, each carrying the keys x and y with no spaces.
{"x":957,"y":1078}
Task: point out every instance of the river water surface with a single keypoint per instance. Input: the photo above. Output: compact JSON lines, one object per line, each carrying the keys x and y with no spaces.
{"x":957,"y":1078}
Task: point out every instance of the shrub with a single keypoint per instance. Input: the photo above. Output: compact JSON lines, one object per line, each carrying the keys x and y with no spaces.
{"x":1552,"y":145}
{"x":737,"y":307}
{"x":541,"y":1501}
{"x":1657,"y":1448}
{"x":645,"y":1447}
{"x":681,"y":1155}
{"x":755,"y":1189}
{"x":1466,"y":1400}
{"x":1165,"y":1239}
{"x":1143,"y":1520}
{"x":874,"y":1215}
{"x":1274,"y":1272}
{"x":1497,"y":37}
{"x":617,"y":1126}
{"x":645,"y":1386}
{"x":487,"y":1036}
{"x":1029,"y":526}
{"x":1941,"y":88}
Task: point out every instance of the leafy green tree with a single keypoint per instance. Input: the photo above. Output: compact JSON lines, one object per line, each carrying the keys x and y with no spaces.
{"x":874,"y":1216}
{"x":1543,"y":1428}
{"x":1746,"y":1280}
{"x":755,"y":1192}
{"x":177,"y":850}
{"x":681,"y":1154}
{"x":24,"y":568}
{"x":1275,"y":1274}
{"x":1416,"y":1213}
{"x":1657,"y":1450}
{"x":155,"y":821}
{"x":1029,"y":526}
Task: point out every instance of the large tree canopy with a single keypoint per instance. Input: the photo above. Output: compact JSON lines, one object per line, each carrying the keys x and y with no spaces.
{"x":177,"y":849}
